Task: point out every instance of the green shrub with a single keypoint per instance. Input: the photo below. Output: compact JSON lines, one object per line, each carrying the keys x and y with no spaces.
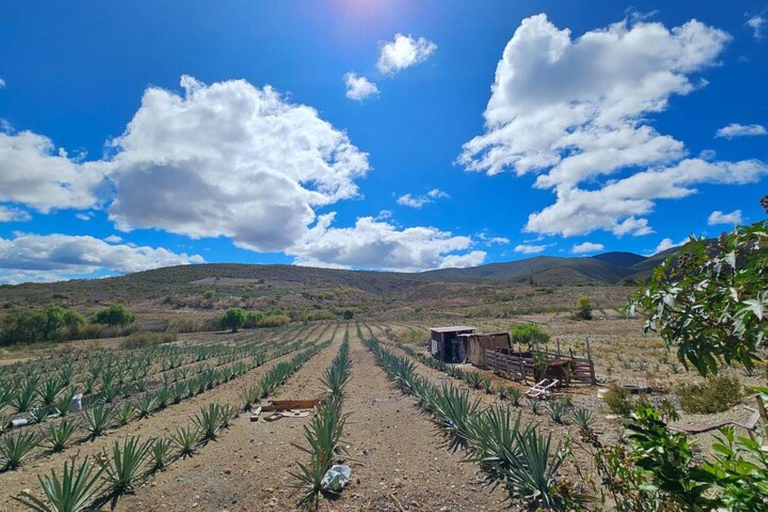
{"x":275,"y":320}
{"x":147,"y":339}
{"x":528,"y":334}
{"x":253,"y":319}
{"x":717,"y":394}
{"x":347,"y":314}
{"x":618,"y":400}
{"x":233,"y":319}
{"x":114,"y":315}
{"x":584,"y":308}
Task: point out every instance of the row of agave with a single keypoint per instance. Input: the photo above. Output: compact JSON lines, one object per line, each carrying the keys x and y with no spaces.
{"x":521,"y":458}
{"x":323,"y":433}
{"x":56,"y":395}
{"x":96,"y":420}
{"x":30,"y":393}
{"x":117,"y":471}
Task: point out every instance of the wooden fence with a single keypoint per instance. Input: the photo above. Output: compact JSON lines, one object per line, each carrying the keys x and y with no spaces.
{"x":522,"y":368}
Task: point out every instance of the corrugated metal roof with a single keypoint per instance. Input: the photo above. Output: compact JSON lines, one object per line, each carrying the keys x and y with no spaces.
{"x":452,"y":328}
{"x":500,"y":333}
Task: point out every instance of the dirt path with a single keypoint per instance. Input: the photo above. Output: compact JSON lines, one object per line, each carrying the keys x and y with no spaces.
{"x":160,"y":424}
{"x":398,"y":457}
{"x":247,"y":467}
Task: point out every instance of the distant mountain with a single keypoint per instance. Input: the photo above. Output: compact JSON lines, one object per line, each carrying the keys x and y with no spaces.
{"x":613,"y":268}
{"x":620,"y":259}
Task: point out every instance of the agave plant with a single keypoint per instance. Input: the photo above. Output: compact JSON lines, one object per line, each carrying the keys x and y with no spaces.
{"x":125,"y":413}
{"x":495,"y":435}
{"x":515,"y":396}
{"x":531,"y":474}
{"x":66,"y":373}
{"x":125,"y":465}
{"x":249,"y":396}
{"x":488,"y":385}
{"x":456,"y":413}
{"x":161,"y":450}
{"x":186,"y":439}
{"x":60,"y":435}
{"x":474,"y":380}
{"x":15,"y":449}
{"x":209,"y":421}
{"x":97,"y":419}
{"x":73,"y":492}
{"x":65,"y":401}
{"x":557,"y":411}
{"x":49,"y":390}
{"x":145,"y":405}
{"x":535,"y":404}
{"x":584,"y":419}
{"x":25,"y":395}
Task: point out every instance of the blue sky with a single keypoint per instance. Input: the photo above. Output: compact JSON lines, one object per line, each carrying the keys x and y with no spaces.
{"x":601,"y":138}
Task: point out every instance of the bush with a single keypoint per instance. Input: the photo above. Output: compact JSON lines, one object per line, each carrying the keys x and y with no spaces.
{"x":114,"y":315}
{"x":528,"y":334}
{"x":584,"y":308}
{"x":618,"y":400}
{"x":717,"y":394}
{"x":148,"y":339}
{"x":253,"y":319}
{"x":233,"y":318}
{"x":209,"y":294}
{"x":348,"y":314}
{"x":28,"y":326}
{"x":275,"y":320}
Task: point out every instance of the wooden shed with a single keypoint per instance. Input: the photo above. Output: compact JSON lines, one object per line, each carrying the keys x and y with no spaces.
{"x":445,"y":343}
{"x":476,"y":344}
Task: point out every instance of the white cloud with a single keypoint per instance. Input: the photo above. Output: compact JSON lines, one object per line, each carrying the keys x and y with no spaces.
{"x":403,"y":52}
{"x":359,"y":87}
{"x":741,"y":130}
{"x":83,"y":216}
{"x":580,"y":211}
{"x":667,"y":243}
{"x":575,"y":111}
{"x":530,"y":248}
{"x":708,"y":154}
{"x":230,"y":159}
{"x":34,"y":172}
{"x":56,"y":257}
{"x":375,"y":244}
{"x":757,"y":24}
{"x":11,"y":214}
{"x":493,"y":240}
{"x":718,"y":217}
{"x":419,"y":201}
{"x":113,"y":239}
{"x":587,"y":247}
{"x":2,"y":83}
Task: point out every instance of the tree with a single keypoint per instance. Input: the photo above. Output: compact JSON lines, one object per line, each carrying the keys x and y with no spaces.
{"x":233,"y":319}
{"x":347,"y":314}
{"x":253,"y":319}
{"x":114,"y":315}
{"x":711,"y":301}
{"x":584,"y":308}
{"x":529,"y":334}
{"x":54,"y":319}
{"x":209,"y":294}
{"x":73,"y":320}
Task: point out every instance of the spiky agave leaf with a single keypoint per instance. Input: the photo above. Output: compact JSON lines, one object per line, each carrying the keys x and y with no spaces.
{"x":60,"y":435}
{"x":14,"y":449}
{"x":531,"y":473}
{"x":73,"y":492}
{"x":97,"y":419}
{"x":126,"y":463}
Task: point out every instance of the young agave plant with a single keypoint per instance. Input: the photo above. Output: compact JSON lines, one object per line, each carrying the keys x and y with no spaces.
{"x":209,"y":421}
{"x":186,"y":439}
{"x":145,"y":405}
{"x":161,"y":450}
{"x":126,"y":464}
{"x":249,"y":397}
{"x":474,"y":380}
{"x":488,"y":386}
{"x":557,"y":411}
{"x":97,"y":419}
{"x":25,"y":395}
{"x":49,"y":390}
{"x":15,"y":449}
{"x":74,"y":491}
{"x":515,"y":396}
{"x":584,"y":419}
{"x":65,"y":401}
{"x":60,"y":435}
{"x":532,"y":474}
{"x":125,"y":413}
{"x":535,"y":404}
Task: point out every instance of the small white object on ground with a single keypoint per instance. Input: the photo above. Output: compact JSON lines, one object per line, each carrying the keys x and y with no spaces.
{"x":336,"y":478}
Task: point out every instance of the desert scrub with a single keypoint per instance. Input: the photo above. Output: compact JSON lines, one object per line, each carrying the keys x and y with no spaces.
{"x":148,"y":339}
{"x":717,"y":394}
{"x":618,"y":400}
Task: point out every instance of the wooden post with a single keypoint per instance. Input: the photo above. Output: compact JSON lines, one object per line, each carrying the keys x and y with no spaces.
{"x":558,"y":347}
{"x":589,"y":353}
